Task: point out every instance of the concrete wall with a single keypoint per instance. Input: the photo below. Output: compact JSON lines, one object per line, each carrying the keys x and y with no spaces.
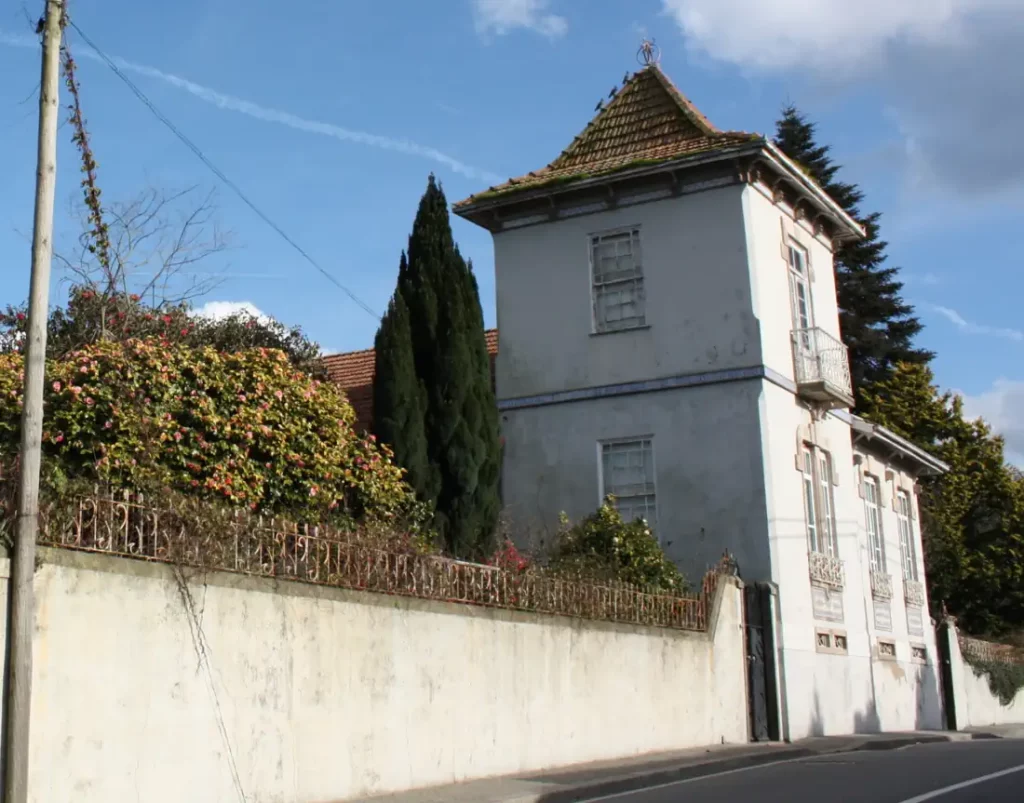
{"x":975,"y":704}
{"x":297,"y":694}
{"x":859,"y":691}
{"x":697,"y":287}
{"x":708,"y":468}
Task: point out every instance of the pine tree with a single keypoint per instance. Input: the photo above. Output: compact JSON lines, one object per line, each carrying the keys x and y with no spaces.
{"x":451,"y":365}
{"x":398,"y":400}
{"x":877,"y":325}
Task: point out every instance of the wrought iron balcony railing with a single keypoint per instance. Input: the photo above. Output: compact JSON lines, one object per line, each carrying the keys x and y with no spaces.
{"x":881,"y":585}
{"x":822,"y":367}
{"x":913,"y":592}
{"x":826,"y":570}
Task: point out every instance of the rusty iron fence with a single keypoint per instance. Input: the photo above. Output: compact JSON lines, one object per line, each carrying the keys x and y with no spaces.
{"x":127,"y":526}
{"x":990,"y":652}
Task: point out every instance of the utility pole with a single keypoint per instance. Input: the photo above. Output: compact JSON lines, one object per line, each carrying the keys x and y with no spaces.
{"x":21,"y":603}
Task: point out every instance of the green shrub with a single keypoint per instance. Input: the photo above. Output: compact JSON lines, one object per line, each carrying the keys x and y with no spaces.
{"x":604,"y":547}
{"x":1005,"y":680}
{"x":247,"y":428}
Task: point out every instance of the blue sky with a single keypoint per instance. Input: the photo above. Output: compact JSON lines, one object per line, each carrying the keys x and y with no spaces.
{"x":330,"y":115}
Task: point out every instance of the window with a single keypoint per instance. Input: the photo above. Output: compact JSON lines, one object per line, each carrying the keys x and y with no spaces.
{"x":618,"y":281}
{"x":627,"y":473}
{"x":818,"y":502}
{"x":873,"y":517}
{"x":799,"y":287}
{"x":909,"y":554}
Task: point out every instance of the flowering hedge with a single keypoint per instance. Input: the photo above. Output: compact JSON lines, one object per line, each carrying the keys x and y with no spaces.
{"x":244,"y":427}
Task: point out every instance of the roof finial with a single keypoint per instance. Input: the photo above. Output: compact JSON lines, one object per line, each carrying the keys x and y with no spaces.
{"x":649,"y":53}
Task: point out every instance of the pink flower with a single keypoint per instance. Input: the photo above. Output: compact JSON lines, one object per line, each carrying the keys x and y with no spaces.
{"x":177,"y":436}
{"x":59,"y":438}
{"x":108,"y":425}
{"x":56,"y":387}
{"x":312,"y":490}
{"x":76,"y":389}
{"x":20,"y":316}
{"x":279,"y":394}
{"x":89,"y":401}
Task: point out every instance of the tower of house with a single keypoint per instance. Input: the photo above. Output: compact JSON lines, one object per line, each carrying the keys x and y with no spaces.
{"x":668,"y":320}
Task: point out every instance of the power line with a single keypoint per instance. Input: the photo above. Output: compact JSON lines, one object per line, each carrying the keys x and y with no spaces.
{"x":219,"y":173}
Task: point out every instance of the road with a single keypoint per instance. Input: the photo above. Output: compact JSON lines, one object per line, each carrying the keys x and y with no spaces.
{"x":980,"y":771}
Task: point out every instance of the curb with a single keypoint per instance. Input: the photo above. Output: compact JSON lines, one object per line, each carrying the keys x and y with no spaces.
{"x":637,"y":781}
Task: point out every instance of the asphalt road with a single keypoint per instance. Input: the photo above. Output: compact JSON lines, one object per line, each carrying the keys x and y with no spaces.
{"x":980,"y":771}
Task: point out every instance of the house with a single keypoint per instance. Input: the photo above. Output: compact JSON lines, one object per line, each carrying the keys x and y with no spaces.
{"x":670,"y":335}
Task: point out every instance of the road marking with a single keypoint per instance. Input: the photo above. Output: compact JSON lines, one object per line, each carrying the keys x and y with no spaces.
{"x":963,"y":785}
{"x":615,"y":795}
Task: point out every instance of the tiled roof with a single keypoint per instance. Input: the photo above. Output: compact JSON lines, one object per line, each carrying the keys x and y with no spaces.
{"x":353,"y":372}
{"x":648,"y":121}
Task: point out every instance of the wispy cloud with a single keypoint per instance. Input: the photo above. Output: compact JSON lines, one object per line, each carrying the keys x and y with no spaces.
{"x":971,"y":328}
{"x":1000,"y":406}
{"x":504,"y":16}
{"x":270,"y":115}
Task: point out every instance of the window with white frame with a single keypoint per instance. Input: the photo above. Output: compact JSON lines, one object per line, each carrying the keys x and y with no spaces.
{"x":617,"y":275}
{"x":909,"y":554}
{"x":873,"y":519}
{"x":627,"y":473}
{"x":819,"y":503}
{"x":799,"y":287}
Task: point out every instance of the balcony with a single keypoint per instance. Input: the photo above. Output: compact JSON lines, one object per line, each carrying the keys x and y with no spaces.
{"x":881,"y":585}
{"x":822,"y":368}
{"x":826,"y":570}
{"x":913,"y":593}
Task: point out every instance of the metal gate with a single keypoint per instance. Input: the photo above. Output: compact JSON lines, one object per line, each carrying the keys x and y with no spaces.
{"x":943,"y":633}
{"x":762,"y":695}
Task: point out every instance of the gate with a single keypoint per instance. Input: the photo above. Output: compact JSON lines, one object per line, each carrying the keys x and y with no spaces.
{"x":762,"y":694}
{"x":943,"y":633}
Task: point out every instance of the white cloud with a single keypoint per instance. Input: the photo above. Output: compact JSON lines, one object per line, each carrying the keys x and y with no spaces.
{"x":1002,"y":406}
{"x":269,"y":115}
{"x":503,"y":16}
{"x":218,"y":310}
{"x":971,"y":328}
{"x":785,"y":34}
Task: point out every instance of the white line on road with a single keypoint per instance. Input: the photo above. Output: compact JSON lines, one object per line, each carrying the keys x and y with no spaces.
{"x":963,"y":785}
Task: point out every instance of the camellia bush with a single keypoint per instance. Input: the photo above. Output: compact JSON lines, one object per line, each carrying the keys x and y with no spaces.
{"x":603,"y":546}
{"x":247,"y":428}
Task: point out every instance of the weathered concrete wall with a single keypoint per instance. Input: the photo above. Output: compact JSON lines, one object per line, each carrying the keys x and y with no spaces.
{"x":975,"y":704}
{"x":296,"y":694}
{"x":696,"y":285}
{"x":707,"y":459}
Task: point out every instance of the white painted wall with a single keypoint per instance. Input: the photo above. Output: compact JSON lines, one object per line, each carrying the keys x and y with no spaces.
{"x":697,"y":289}
{"x":769,"y":277}
{"x":976,"y":705}
{"x":710,"y":482}
{"x":316,"y":694}
{"x":833,"y":694}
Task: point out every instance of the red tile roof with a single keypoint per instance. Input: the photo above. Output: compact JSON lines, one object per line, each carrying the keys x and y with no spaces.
{"x":649,"y":120}
{"x":353,"y":372}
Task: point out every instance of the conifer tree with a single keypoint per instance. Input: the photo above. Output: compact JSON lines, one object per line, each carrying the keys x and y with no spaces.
{"x":877,"y":325}
{"x":449,"y":352}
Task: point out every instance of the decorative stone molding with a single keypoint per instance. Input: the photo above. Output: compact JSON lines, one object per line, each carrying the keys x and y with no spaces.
{"x":881,"y":585}
{"x":913,"y":592}
{"x":825,"y":569}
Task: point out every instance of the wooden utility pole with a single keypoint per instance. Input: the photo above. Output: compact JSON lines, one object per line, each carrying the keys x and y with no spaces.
{"x":21,"y":603}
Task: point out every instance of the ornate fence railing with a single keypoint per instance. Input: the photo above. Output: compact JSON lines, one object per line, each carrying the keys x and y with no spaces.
{"x":990,"y":651}
{"x":128,"y":527}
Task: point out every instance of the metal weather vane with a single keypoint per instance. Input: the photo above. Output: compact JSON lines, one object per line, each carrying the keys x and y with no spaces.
{"x":649,"y":53}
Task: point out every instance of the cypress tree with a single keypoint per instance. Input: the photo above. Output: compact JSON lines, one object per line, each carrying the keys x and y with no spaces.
{"x":398,"y":400}
{"x":877,"y":325}
{"x":451,"y":365}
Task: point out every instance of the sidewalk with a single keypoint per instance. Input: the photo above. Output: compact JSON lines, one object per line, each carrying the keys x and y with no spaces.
{"x":609,"y":777}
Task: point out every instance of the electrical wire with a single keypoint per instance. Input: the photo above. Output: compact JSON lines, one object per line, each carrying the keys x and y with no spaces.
{"x":219,"y":173}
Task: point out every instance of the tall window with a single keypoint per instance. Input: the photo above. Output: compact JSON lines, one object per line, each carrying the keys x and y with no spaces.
{"x":909,"y":554}
{"x":627,"y":473}
{"x":618,"y":281}
{"x":819,"y":503}
{"x":873,"y":517}
{"x":799,"y":288}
